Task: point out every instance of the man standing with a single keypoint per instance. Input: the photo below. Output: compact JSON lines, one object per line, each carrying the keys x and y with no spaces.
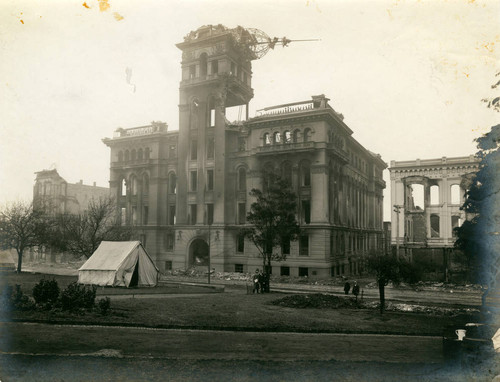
{"x":256,"y":281}
{"x":355,"y":290}
{"x":347,"y":287}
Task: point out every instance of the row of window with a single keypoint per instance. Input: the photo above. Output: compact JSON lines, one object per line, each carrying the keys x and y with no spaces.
{"x":134,"y":154}
{"x":286,"y":137}
{"x":210,"y":149}
{"x":416,"y":195}
{"x":134,"y":185}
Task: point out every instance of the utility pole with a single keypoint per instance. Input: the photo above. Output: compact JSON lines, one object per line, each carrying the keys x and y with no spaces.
{"x":209,"y":250}
{"x":397,"y":208}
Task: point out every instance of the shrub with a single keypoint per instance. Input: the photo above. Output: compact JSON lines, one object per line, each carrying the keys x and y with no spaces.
{"x":76,"y":297}
{"x":103,"y":305}
{"x":14,"y":298}
{"x":46,"y":292}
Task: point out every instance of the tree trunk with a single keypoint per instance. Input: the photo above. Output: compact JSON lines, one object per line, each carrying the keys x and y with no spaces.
{"x":381,"y":290}
{"x":19,"y":261}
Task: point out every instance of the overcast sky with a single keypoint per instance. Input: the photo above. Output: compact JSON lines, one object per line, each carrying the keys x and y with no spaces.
{"x":408,"y":76}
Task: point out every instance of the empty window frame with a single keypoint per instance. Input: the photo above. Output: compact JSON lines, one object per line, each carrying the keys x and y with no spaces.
{"x":194,"y":149}
{"x":455,"y":194}
{"x":193,"y":210}
{"x":242,"y":213}
{"x":284,"y":271}
{"x":193,"y":175}
{"x":210,"y":180}
{"x":242,"y":179}
{"x":169,"y":241}
{"x":434,"y":191}
{"x":306,"y":211}
{"x":304,"y":245}
{"x":210,"y":213}
{"x":145,"y":215}
{"x":267,"y":139}
{"x":210,"y":148}
{"x":171,"y":214}
{"x":435,"y":232}
{"x":303,"y":272}
{"x":172,"y":183}
{"x":238,"y":268}
{"x":240,"y":243}
{"x":416,"y":196}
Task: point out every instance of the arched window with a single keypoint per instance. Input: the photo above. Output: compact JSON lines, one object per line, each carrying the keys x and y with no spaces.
{"x":267,"y":139}
{"x":455,"y":194}
{"x":305,"y":172}
{"x":127,"y":155}
{"x":434,"y":195}
{"x":296,"y":135}
{"x":172,"y":183}
{"x":276,"y":138}
{"x":133,"y":185}
{"x":146,"y":152}
{"x":120,"y":156}
{"x":203,"y":65}
{"x":242,"y":179}
{"x":286,"y":172}
{"x":123,"y":187}
{"x":307,"y":135}
{"x":287,"y":137}
{"x":133,"y":155}
{"x":140,"y":154}
{"x":435,"y":226}
{"x":145,"y":184}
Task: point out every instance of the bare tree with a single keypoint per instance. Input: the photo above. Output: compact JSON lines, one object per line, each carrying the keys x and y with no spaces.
{"x":22,"y":227}
{"x":82,"y":234}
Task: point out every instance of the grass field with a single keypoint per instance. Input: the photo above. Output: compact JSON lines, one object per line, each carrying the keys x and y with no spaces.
{"x":239,"y":311}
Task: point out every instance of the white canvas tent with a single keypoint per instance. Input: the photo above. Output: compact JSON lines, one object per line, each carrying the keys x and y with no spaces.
{"x":119,"y":263}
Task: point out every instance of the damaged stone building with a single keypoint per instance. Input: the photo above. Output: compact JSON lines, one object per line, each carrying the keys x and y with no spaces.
{"x":426,"y":195}
{"x":187,"y":191}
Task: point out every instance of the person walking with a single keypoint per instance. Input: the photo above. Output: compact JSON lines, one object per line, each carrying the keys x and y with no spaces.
{"x":355,"y":290}
{"x":347,"y":287}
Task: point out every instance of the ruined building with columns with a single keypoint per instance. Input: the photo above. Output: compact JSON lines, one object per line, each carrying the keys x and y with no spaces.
{"x":426,"y":195}
{"x":187,"y":191}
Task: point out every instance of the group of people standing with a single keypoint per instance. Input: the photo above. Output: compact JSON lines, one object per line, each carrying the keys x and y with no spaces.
{"x":355,"y":288}
{"x":260,"y":282}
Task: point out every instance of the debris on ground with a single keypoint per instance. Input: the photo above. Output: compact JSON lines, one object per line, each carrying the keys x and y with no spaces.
{"x":327,"y":301}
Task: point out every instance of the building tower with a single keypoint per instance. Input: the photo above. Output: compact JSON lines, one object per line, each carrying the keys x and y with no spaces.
{"x":216,"y":74}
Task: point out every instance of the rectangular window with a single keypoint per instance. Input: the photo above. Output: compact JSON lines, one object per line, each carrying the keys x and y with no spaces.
{"x":304,"y":245}
{"x":215,"y":66}
{"x":285,"y":271}
{"x":171,"y":214}
{"x":194,"y":149}
{"x":210,"y":180}
{"x":169,"y":241}
{"x":134,"y":215}
{"x":242,"y":213}
{"x":306,"y":211}
{"x":192,"y":71}
{"x":210,"y":148}
{"x":303,"y":271}
{"x":212,"y":117}
{"x":238,"y":268}
{"x":194,"y":180}
{"x":193,"y":209}
{"x":240,"y":243}
{"x":168,"y":265}
{"x":123,"y":217}
{"x":145,"y":213}
{"x":210,"y":213}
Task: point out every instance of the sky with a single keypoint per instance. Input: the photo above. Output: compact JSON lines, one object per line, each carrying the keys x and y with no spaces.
{"x":408,"y":76}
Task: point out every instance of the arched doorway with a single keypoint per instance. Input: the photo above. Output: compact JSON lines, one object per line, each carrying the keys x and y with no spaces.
{"x":198,"y":253}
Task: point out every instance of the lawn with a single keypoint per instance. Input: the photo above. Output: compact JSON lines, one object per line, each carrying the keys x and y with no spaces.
{"x":240,"y":311}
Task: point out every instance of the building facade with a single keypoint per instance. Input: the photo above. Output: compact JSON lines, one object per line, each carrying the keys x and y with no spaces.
{"x":187,"y":191}
{"x":60,"y":197}
{"x":426,"y":195}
